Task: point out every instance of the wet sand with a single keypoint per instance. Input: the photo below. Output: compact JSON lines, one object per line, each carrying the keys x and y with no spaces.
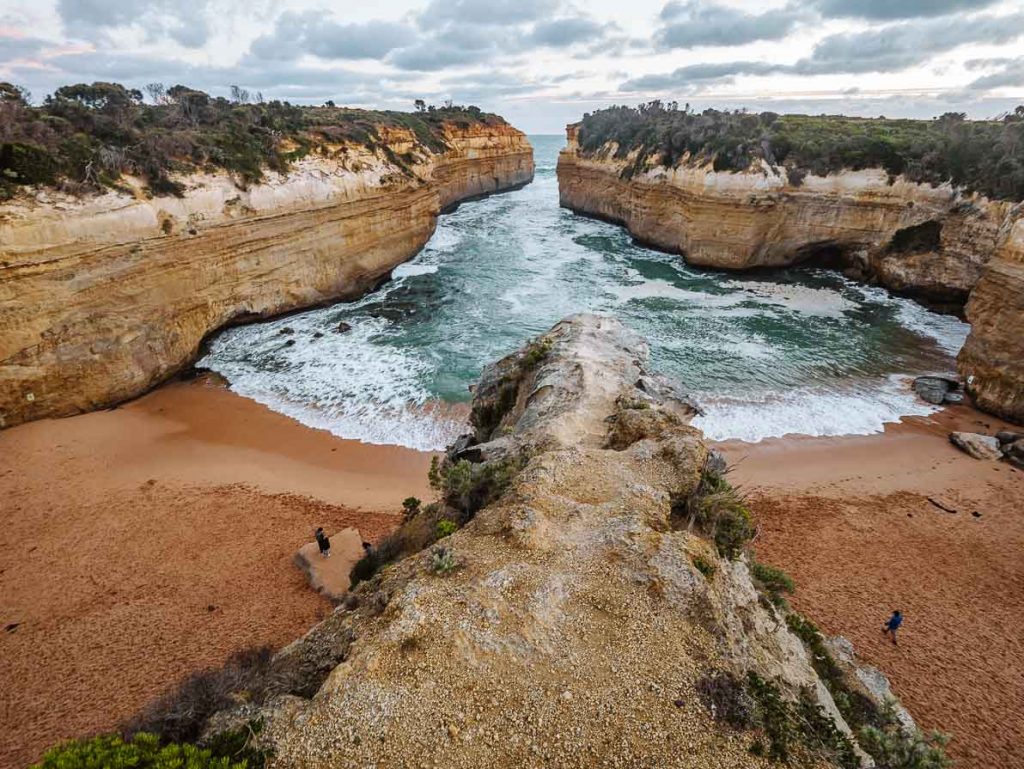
{"x":140,"y":544}
{"x":851,"y":521}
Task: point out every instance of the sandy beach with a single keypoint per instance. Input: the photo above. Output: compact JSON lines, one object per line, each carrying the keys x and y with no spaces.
{"x":145,"y":542}
{"x":854,"y":521}
{"x":140,"y":544}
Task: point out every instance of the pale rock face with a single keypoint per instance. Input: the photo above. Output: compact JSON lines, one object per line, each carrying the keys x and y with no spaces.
{"x":931,"y":243}
{"x":102,"y":298}
{"x":576,"y":626}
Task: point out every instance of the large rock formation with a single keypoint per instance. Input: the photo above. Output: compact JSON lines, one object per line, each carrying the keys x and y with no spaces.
{"x":571,"y":622}
{"x":103,"y":297}
{"x":931,"y":243}
{"x":992,"y":359}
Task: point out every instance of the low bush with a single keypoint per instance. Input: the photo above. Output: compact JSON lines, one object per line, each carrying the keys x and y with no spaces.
{"x":774,"y":582}
{"x":893,"y":748}
{"x":410,"y":508}
{"x":443,"y":560}
{"x":986,"y":156}
{"x":791,"y":726}
{"x":446,"y":528}
{"x":718,"y":511}
{"x":143,"y":751}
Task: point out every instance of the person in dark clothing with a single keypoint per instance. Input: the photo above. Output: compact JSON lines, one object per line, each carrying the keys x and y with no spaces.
{"x":323,"y":542}
{"x":893,"y":625}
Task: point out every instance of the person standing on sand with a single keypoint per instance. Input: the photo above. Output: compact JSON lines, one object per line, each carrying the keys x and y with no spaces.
{"x":323,"y":542}
{"x":893,"y":624}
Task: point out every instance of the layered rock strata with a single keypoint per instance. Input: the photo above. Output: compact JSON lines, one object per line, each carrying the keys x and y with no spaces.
{"x":101,"y":298}
{"x":570,"y":621}
{"x":931,"y":243}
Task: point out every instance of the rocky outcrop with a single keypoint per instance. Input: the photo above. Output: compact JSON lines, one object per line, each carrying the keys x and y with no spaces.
{"x":992,"y":359}
{"x":931,"y":243}
{"x":573,"y":621}
{"x":103,"y":297}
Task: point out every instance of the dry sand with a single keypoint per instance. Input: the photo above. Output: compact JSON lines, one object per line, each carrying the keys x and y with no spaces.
{"x":850,"y":520}
{"x":140,"y":544}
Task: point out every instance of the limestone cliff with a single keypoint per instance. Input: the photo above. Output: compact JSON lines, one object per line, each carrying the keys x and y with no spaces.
{"x":992,"y":359}
{"x":931,"y":243}
{"x":105,"y":296}
{"x":576,"y":620}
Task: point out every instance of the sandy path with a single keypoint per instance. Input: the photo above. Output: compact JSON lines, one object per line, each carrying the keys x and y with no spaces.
{"x":850,"y":520}
{"x":140,"y":544}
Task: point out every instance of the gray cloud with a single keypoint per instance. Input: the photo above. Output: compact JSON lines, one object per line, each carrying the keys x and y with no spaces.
{"x":561,"y":33}
{"x":309,"y":32}
{"x":898,"y":46}
{"x":12,"y":48}
{"x":486,"y":12}
{"x":1010,"y":73}
{"x":693,"y":23}
{"x":891,"y":10}
{"x":697,"y":75}
{"x":184,"y":23}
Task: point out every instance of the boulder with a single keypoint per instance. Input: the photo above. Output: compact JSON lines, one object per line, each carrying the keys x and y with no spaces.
{"x":1014,"y":453}
{"x":1005,"y":437}
{"x":953,"y":398}
{"x":343,"y":328}
{"x":934,"y":389}
{"x":977,"y":445}
{"x":329,"y":576}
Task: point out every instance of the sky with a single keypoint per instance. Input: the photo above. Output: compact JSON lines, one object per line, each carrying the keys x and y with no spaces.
{"x":539,"y":63}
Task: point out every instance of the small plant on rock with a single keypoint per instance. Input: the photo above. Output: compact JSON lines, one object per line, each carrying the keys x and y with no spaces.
{"x":704,"y":566}
{"x":443,"y":560}
{"x":717,"y":510}
{"x":726,"y":697}
{"x":774,"y":582}
{"x":410,"y":508}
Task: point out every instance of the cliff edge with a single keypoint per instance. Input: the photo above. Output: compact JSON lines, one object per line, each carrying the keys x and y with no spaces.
{"x":104,"y":296}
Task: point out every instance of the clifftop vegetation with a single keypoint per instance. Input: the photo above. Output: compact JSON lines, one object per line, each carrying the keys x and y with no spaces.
{"x":85,"y":137}
{"x":984,"y":156}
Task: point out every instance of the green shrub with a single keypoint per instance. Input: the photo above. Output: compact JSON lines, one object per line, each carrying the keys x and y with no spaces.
{"x":141,"y":752}
{"x":467,"y":487}
{"x":718,"y":511}
{"x":789,"y":726}
{"x":410,"y":507}
{"x":446,"y":528}
{"x":773,"y":581}
{"x":894,"y":748}
{"x":703,"y":565}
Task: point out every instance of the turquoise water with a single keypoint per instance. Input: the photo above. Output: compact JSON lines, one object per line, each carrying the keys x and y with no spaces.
{"x":793,"y":351}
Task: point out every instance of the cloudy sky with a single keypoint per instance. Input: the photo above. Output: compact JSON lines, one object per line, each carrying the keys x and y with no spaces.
{"x":540,"y":63}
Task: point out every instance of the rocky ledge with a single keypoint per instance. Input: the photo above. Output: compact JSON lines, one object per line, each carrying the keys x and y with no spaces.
{"x":934,"y":244}
{"x":568,"y":601}
{"x":103,"y":297}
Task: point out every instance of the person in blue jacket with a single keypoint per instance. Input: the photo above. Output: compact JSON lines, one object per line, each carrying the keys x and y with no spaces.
{"x":893,"y":625}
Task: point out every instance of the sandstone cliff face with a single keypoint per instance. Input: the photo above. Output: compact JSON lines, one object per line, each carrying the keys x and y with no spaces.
{"x":992,"y":359}
{"x":102,"y":298}
{"x":933,"y":244}
{"x":569,"y":625}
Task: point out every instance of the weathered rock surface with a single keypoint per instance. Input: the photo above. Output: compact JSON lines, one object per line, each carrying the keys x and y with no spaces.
{"x":576,"y":626}
{"x":935,"y":390}
{"x":104,"y":297}
{"x":330,"y":576}
{"x":992,"y":359}
{"x":977,"y":445}
{"x":932,"y":243}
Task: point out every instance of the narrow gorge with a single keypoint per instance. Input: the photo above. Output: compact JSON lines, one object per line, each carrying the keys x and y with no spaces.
{"x":961,"y":251}
{"x":104,"y":296}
